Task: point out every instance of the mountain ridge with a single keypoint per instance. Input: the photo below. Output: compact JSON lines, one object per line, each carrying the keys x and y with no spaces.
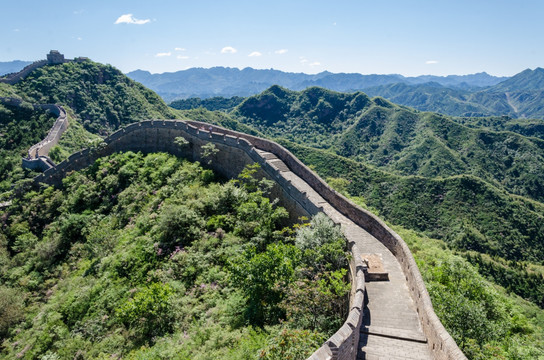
{"x":249,"y":81}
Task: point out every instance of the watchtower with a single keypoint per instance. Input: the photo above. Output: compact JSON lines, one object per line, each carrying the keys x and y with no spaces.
{"x":55,"y":57}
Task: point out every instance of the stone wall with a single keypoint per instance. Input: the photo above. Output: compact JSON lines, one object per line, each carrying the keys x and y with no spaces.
{"x":53,"y":136}
{"x":440,"y":341}
{"x":14,"y":78}
{"x":237,"y":150}
{"x":53,"y":58}
{"x":38,"y":158}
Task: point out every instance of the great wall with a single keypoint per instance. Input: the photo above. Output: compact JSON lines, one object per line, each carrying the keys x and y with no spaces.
{"x":391,"y":318}
{"x":38,"y":154}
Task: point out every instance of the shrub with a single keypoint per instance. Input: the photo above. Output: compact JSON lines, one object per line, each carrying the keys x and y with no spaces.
{"x":148,"y":313}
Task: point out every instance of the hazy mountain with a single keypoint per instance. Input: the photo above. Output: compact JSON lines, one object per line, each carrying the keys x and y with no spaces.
{"x":217,"y":81}
{"x":482,"y":79}
{"x":521,"y":96}
{"x":227,"y":82}
{"x":12,"y":66}
{"x":524,"y":81}
{"x":431,"y":97}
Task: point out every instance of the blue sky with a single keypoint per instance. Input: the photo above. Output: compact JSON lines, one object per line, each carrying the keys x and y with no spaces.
{"x":414,"y":37}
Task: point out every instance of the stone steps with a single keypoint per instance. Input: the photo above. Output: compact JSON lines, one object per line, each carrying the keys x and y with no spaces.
{"x":382,"y":347}
{"x":400,"y":334}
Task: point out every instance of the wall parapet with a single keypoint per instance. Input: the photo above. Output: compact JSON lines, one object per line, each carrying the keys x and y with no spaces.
{"x":14,"y":78}
{"x":53,"y":58}
{"x":343,"y":344}
{"x":38,"y":154}
{"x":53,"y":136}
{"x":440,"y":341}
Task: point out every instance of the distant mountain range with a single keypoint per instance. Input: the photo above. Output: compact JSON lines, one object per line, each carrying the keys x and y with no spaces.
{"x":481,"y":94}
{"x":520,"y":96}
{"x":227,"y":82}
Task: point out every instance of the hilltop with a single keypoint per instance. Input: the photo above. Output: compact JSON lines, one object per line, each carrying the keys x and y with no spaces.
{"x":98,"y":99}
{"x":101,"y":96}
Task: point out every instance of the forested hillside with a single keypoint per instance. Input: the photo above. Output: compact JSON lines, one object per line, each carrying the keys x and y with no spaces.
{"x":20,"y":128}
{"x":454,"y":179}
{"x":154,"y":257}
{"x":98,"y":99}
{"x":91,"y":261}
{"x":398,"y":139}
{"x":101,"y":96}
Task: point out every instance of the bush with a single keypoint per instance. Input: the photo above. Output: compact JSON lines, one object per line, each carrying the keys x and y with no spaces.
{"x":11,"y":309}
{"x":291,"y":344}
{"x":148,"y":313}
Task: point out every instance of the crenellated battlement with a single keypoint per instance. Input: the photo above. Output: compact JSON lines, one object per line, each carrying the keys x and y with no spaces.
{"x":53,"y":58}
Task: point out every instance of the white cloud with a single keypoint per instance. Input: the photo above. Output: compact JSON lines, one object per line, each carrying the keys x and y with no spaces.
{"x":281,"y":51}
{"x":80,"y":38}
{"x":255,"y":54}
{"x":130,"y":19}
{"x":79,"y":12}
{"x":163,"y":54}
{"x":182,"y":57}
{"x":228,"y":50}
{"x":429,"y":62}
{"x":16,"y":30}
{"x":315,"y":63}
{"x":180,"y":49}
{"x":303,"y":60}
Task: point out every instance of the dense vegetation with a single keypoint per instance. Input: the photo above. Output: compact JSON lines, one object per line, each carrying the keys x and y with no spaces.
{"x":212,"y":104}
{"x":398,"y":139}
{"x":20,"y":128}
{"x":484,"y":321}
{"x":98,"y":99}
{"x":88,"y":259}
{"x":103,"y":98}
{"x":154,"y":257}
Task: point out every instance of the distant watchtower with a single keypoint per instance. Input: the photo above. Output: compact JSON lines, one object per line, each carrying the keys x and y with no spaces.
{"x":55,"y":57}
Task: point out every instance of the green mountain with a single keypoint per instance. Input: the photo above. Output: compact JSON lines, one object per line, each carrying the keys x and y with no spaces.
{"x":431,"y":97}
{"x":153,"y":256}
{"x":524,"y":81}
{"x":98,"y":99}
{"x":518,"y":96}
{"x":20,"y":128}
{"x":213,"y":104}
{"x":84,"y":268}
{"x":398,"y":139}
{"x":102,"y":97}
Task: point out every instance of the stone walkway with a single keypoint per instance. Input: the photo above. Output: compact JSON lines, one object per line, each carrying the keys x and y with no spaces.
{"x":391,"y":328}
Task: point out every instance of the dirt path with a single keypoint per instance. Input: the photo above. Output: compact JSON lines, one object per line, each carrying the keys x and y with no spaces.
{"x":509,"y":100}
